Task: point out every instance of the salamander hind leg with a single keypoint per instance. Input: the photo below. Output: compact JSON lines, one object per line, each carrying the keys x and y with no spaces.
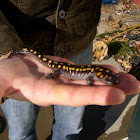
{"x":90,"y":81}
{"x":54,"y":74}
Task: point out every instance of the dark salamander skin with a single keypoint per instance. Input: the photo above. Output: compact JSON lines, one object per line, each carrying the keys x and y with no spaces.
{"x":89,"y":72}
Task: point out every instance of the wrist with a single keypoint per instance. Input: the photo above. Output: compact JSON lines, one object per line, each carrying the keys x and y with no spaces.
{"x":4,"y":86}
{"x":4,"y":76}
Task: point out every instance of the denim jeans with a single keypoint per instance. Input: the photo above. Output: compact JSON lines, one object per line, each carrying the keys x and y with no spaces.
{"x":21,"y":116}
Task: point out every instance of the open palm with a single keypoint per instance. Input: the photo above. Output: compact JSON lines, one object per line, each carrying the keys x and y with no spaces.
{"x":24,"y":78}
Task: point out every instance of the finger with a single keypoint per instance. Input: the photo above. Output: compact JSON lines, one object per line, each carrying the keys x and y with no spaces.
{"x":126,"y":75}
{"x":61,"y":94}
{"x":85,"y":95}
{"x":128,"y":83}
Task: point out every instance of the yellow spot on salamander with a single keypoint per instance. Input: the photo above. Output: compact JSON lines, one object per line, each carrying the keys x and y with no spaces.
{"x":82,"y":66}
{"x":107,"y":70}
{"x":53,"y":66}
{"x":70,"y":68}
{"x":106,"y":76}
{"x":110,"y":77}
{"x":67,"y":68}
{"x":73,"y":68}
{"x":84,"y":69}
{"x":35,"y":52}
{"x":81,"y":69}
{"x":55,"y":62}
{"x":25,"y":49}
{"x":101,"y":69}
{"x":50,"y":61}
{"x":98,"y":73}
{"x":77,"y":69}
{"x":88,"y":68}
{"x":59,"y":66}
{"x":64,"y":67}
{"x":92,"y":70}
{"x":39,"y":56}
{"x":44,"y":59}
{"x":88,"y":65}
{"x":61,"y":63}
{"x":97,"y":68}
{"x":101,"y":76}
{"x":31,"y":50}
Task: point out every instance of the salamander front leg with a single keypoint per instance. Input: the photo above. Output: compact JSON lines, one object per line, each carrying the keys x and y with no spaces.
{"x":54,"y":74}
{"x":90,"y":81}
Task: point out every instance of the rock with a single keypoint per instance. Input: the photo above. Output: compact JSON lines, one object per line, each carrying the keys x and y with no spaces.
{"x":100,"y":50}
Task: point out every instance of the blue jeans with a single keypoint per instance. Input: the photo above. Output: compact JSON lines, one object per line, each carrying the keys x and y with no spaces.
{"x":21,"y":116}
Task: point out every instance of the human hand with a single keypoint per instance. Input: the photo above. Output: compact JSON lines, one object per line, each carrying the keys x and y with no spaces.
{"x":23,"y":78}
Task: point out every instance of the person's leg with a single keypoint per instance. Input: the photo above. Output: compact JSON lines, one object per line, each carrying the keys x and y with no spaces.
{"x":68,"y":120}
{"x":21,"y":118}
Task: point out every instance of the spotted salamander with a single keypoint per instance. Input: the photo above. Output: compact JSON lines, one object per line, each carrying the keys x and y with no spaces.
{"x":89,"y":72}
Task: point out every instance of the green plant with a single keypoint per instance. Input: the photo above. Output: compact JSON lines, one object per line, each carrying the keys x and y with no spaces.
{"x":118,"y":48}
